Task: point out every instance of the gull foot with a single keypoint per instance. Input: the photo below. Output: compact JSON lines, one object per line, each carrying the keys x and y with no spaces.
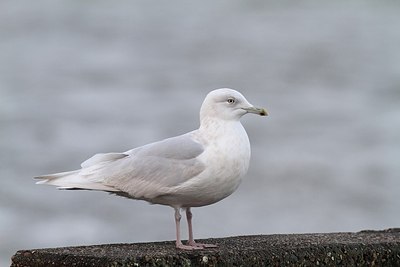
{"x":202,"y":245}
{"x":187,"y":247}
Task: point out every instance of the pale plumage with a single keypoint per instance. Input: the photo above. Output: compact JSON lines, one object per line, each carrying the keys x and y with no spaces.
{"x":194,"y":169}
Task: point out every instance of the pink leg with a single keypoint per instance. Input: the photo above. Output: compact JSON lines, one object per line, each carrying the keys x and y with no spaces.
{"x":192,"y":243}
{"x":189,"y":217}
{"x":178,"y":233}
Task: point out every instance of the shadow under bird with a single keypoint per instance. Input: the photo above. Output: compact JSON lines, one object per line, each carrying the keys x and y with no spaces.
{"x":195,"y":169}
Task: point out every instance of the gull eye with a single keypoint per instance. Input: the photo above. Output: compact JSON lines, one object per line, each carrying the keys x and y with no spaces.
{"x":231,"y":100}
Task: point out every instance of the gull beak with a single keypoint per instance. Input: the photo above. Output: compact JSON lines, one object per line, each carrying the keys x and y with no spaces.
{"x":255,"y":110}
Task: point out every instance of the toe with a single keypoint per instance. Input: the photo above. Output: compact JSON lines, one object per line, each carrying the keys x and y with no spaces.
{"x":187,"y":247}
{"x":201,"y":245}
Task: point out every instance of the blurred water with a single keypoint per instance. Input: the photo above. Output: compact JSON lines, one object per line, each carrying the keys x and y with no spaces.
{"x":81,"y":77}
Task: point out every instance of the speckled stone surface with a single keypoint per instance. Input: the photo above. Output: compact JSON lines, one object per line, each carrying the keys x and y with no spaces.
{"x":365,"y":248}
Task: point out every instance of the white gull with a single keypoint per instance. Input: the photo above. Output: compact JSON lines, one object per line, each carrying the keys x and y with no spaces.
{"x":195,"y":169}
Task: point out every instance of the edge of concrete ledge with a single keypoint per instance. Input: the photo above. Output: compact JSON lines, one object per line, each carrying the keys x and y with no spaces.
{"x":368,"y":247}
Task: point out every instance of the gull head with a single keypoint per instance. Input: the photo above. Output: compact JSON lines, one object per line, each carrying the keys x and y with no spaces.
{"x":227,"y":104}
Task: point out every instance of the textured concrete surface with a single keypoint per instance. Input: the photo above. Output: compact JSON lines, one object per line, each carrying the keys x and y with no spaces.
{"x":365,"y":248}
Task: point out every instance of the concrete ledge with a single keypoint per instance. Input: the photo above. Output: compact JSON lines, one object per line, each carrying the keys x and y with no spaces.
{"x":365,"y":248}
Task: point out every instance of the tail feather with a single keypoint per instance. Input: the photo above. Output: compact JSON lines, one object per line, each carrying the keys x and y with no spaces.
{"x":72,"y":180}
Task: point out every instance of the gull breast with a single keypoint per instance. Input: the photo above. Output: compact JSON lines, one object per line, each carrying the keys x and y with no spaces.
{"x":226,"y":160}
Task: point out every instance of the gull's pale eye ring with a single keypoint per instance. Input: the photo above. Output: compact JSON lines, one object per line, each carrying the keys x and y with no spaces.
{"x":231,"y":100}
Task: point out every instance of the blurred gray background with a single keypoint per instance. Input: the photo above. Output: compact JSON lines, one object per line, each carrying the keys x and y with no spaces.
{"x":82,"y":77}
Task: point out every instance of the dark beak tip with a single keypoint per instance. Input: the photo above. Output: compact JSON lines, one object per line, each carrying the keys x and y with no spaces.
{"x":263,"y":113}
